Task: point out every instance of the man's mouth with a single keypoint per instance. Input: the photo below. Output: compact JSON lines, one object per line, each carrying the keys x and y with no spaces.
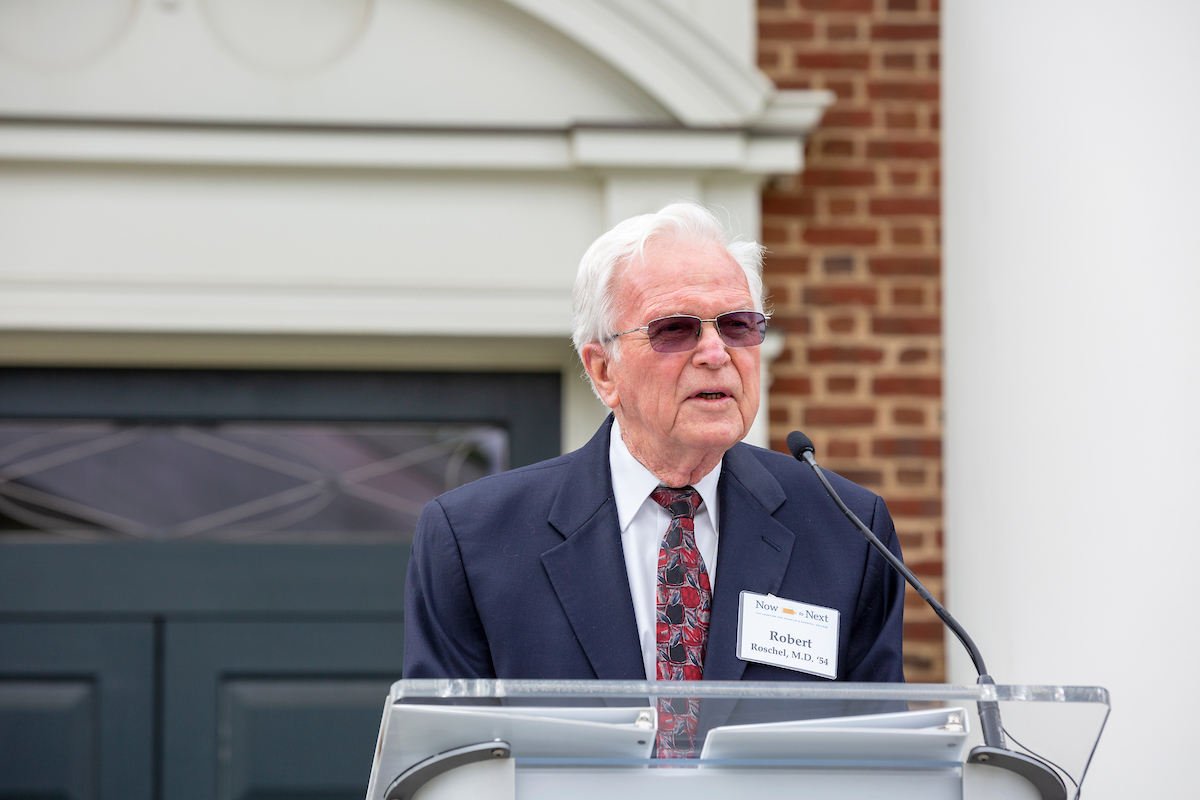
{"x":710,"y":395}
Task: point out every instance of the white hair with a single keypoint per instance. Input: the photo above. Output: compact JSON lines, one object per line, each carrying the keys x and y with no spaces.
{"x":594,"y":301}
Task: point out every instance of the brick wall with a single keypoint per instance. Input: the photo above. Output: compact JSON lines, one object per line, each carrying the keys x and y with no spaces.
{"x":854,"y":269}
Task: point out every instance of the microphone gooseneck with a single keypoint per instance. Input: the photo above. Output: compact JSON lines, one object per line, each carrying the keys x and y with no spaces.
{"x":993,"y":752}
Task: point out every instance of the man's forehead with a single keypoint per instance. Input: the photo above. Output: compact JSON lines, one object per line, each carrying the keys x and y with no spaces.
{"x":682,"y":266}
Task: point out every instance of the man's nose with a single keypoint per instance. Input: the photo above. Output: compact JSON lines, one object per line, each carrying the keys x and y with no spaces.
{"x":710,"y":349}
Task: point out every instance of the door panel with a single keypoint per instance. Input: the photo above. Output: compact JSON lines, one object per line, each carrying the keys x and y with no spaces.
{"x":202,"y":578}
{"x":77,"y":710}
{"x":200,"y":596}
{"x":266,"y":742}
{"x":262,"y":709}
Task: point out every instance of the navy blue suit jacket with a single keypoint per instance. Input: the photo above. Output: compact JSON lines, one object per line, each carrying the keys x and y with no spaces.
{"x":522,"y":575}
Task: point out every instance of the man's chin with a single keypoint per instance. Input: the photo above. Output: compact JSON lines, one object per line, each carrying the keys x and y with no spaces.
{"x":712,"y":434}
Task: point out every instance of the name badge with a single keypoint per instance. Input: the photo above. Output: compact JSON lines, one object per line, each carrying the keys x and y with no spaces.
{"x":787,"y":634}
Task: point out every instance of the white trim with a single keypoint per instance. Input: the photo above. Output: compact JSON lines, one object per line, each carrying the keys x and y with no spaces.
{"x":666,"y":54}
{"x":168,"y":309}
{"x":636,"y":148}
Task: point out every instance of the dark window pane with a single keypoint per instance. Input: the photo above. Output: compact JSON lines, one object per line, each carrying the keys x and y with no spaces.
{"x":235,"y":480}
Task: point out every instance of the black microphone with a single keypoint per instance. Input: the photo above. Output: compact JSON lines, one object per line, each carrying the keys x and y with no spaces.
{"x":993,"y":751}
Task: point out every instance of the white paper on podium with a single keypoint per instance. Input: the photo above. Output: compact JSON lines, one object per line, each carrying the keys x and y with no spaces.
{"x":902,"y":736}
{"x":412,"y":733}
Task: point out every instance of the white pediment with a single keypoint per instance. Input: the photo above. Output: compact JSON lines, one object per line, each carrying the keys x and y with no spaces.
{"x":423,"y":63}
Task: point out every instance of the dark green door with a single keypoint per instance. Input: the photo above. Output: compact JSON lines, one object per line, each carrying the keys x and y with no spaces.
{"x":202,"y":572}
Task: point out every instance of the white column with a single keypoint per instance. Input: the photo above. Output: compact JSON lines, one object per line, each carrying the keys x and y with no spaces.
{"x":1072,"y":278}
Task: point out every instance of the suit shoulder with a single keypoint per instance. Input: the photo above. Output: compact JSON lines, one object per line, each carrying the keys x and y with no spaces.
{"x":795,"y":475}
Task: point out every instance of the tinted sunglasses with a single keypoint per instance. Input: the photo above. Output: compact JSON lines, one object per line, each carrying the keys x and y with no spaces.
{"x":681,"y":332}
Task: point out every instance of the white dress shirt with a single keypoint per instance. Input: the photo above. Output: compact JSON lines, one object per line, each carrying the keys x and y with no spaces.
{"x":643,"y":525}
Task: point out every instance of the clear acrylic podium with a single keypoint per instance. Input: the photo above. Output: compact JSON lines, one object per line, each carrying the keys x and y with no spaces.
{"x":510,"y":739}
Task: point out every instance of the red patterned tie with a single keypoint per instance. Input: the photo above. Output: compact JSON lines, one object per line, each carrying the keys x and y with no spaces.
{"x":684,"y":603}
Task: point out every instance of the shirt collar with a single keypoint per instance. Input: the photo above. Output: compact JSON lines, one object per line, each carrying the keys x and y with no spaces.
{"x":632,"y":483}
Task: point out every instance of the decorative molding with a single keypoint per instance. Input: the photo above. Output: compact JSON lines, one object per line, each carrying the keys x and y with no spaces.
{"x":665,"y":54}
{"x":750,"y":151}
{"x":221,"y":309}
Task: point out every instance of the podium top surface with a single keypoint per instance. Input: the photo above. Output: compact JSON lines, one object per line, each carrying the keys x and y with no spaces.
{"x":416,"y":690}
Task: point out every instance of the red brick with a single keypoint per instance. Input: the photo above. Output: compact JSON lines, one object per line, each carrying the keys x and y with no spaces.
{"x":899,"y":61}
{"x":768,"y":59}
{"x":906,"y":206}
{"x":904,"y":266}
{"x":925,"y":448}
{"x":841,"y":324}
{"x":839,"y":415}
{"x":907,"y":296}
{"x":902,"y":5}
{"x":908,"y":235}
{"x":932,"y":568}
{"x":775,"y":234}
{"x":780,"y":446}
{"x":863,"y":477}
{"x":842,"y":448}
{"x":927,"y":387}
{"x":903,"y":177}
{"x":902,"y":32}
{"x":833,"y":295}
{"x":795,"y":264}
{"x":918,"y":667}
{"x":845,"y":355}
{"x":913,"y":355}
{"x":910,"y":541}
{"x":789,"y":206}
{"x":792,"y":324}
{"x":905,"y":120}
{"x":784,"y":82}
{"x":906,"y":90}
{"x":841,"y":236}
{"x":811,"y":60}
{"x":840,"y":32}
{"x":935,"y":120}
{"x":908,"y":385}
{"x":842,"y":206}
{"x":924,"y":631}
{"x":908,"y":416}
{"x":935,"y":61}
{"x":843,"y":118}
{"x":843,"y":89}
{"x":837,"y":147}
{"x":892,"y":148}
{"x":837,"y":5}
{"x":785,"y":30}
{"x":792,"y":385}
{"x":838,"y":177}
{"x":915,"y":508}
{"x":907,"y":325}
{"x":841,"y":384}
{"x":838,"y":265}
{"x":910,"y":477}
{"x":772,"y":3}
{"x":779,"y":415}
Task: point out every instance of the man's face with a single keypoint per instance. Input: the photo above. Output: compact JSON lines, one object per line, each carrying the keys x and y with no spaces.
{"x":674,"y":407}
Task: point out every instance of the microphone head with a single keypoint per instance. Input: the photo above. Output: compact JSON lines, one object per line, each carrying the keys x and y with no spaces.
{"x":799,"y":444}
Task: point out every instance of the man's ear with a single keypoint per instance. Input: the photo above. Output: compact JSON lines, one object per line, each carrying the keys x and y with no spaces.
{"x":599,"y":369}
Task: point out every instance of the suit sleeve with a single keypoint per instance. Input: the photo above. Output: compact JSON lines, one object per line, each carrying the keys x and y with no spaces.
{"x":443,"y":635}
{"x":878,"y":628}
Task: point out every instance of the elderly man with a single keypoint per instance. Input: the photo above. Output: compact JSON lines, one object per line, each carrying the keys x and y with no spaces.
{"x":626,"y":559}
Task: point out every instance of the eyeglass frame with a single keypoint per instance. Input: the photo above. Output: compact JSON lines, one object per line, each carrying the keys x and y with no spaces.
{"x":699,"y":331}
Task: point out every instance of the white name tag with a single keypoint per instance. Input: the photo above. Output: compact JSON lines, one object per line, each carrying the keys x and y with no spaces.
{"x":787,"y":634}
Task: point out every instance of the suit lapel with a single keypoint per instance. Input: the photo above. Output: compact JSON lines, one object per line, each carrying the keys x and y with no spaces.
{"x":753,"y":554}
{"x":587,"y":570}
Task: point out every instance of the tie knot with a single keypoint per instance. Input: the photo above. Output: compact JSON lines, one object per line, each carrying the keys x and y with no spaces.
{"x":678,"y":502}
